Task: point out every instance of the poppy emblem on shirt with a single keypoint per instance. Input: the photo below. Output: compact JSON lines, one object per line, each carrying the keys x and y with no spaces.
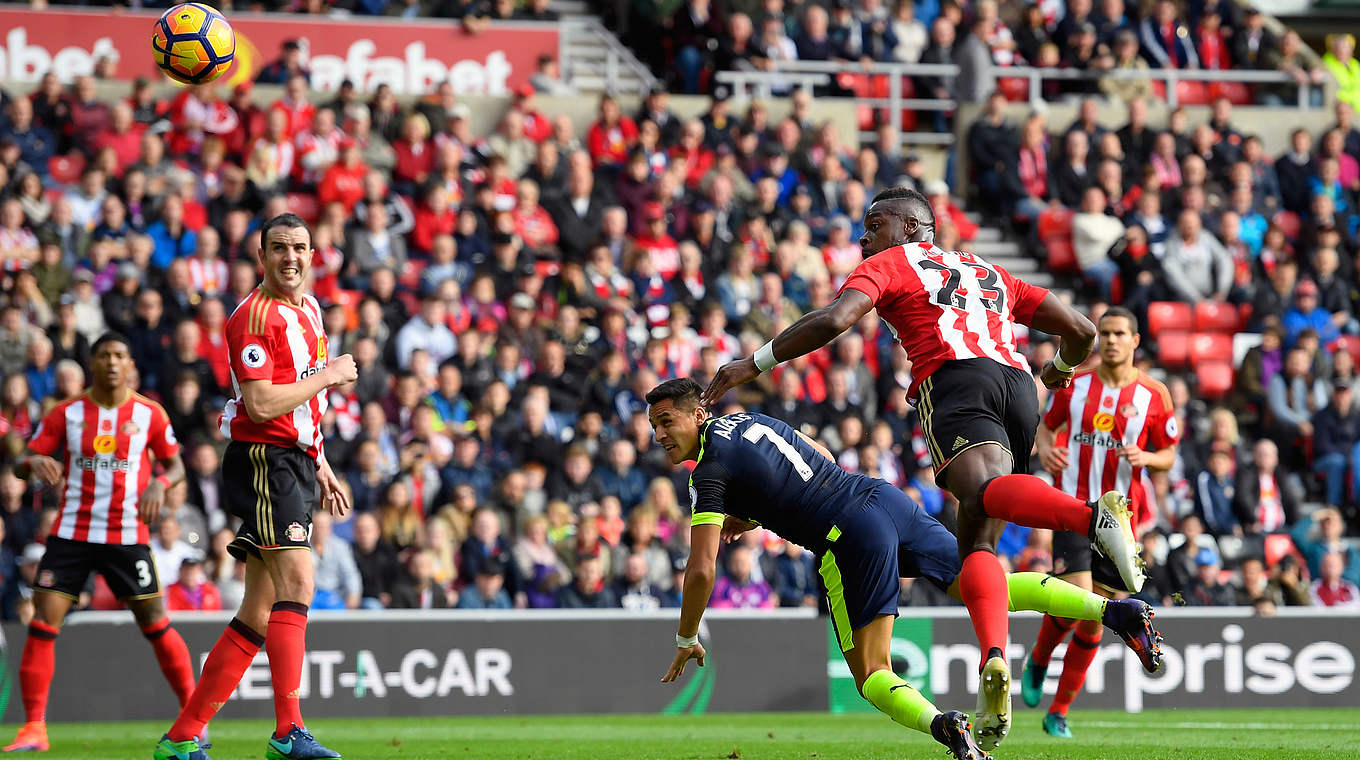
{"x":105,"y":426}
{"x":104,"y":444}
{"x":253,"y":356}
{"x":1103,"y":422}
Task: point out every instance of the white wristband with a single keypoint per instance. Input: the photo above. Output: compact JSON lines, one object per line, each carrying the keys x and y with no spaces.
{"x":764,"y":357}
{"x":1061,"y":365}
{"x":685,"y":642}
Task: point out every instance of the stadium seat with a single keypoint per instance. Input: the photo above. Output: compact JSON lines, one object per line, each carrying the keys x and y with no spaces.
{"x":1062,"y":257}
{"x":1213,"y":379}
{"x":865,"y":115}
{"x":1278,"y":545}
{"x":66,"y":168}
{"x":1211,"y":316}
{"x":1168,"y":315}
{"x":410,"y":275}
{"x":1351,"y":344}
{"x":1054,"y":222}
{"x":1173,"y":349}
{"x":305,"y":205}
{"x":1211,"y":347}
{"x":1237,"y":93}
{"x":1015,"y":89}
{"x":1192,"y":94}
{"x":1289,"y":223}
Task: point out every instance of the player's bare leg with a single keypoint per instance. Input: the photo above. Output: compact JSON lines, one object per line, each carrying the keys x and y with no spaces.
{"x":222,"y":671}
{"x":285,"y":642}
{"x":870,"y":664}
{"x":36,"y":667}
{"x":171,"y":652}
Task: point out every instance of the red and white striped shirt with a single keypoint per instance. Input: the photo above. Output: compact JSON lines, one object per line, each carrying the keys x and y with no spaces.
{"x":107,"y":455}
{"x":269,"y":339}
{"x":946,"y":305}
{"x":1099,"y":419}
{"x":208,"y":276}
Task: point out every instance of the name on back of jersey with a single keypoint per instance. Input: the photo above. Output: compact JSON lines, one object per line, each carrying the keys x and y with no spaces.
{"x":725,"y":426}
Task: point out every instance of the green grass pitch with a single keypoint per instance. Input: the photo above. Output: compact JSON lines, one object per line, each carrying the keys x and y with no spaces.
{"x":1103,"y":735}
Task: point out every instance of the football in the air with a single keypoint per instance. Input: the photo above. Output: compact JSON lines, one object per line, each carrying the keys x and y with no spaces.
{"x":193,"y":43}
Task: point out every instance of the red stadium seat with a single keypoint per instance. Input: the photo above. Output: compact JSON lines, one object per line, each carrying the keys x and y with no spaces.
{"x":1213,"y":379}
{"x":410,"y":275}
{"x":865,"y":115}
{"x":1192,"y":94}
{"x":1238,"y":93}
{"x":304,"y":205}
{"x":1062,"y":257}
{"x":66,"y":169}
{"x":1278,"y":546}
{"x":1015,"y":89}
{"x":1168,"y":315}
{"x":1289,"y":223}
{"x":1208,"y":347}
{"x":1055,"y":222}
{"x":1351,"y":344}
{"x":1211,"y":316}
{"x":1173,"y":349}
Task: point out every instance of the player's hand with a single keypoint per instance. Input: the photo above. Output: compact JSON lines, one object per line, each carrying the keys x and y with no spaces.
{"x":683,"y":656}
{"x":342,"y":370}
{"x":332,"y":495}
{"x":1053,"y":379}
{"x":45,"y":469}
{"x":733,"y":527}
{"x":1055,"y":460}
{"x":1136,"y":456}
{"x":149,"y":506}
{"x":729,"y":376}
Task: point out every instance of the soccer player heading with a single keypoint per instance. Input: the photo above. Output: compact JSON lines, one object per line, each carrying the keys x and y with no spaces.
{"x":280,"y":370}
{"x":99,"y":448}
{"x":753,"y":469}
{"x":954,"y":314}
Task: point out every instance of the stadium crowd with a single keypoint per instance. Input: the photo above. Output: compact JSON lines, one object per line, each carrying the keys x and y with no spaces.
{"x":510,"y":297}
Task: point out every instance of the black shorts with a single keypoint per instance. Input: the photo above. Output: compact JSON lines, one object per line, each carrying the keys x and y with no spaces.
{"x":969,"y":403}
{"x":273,"y":490}
{"x":127,"y":568}
{"x":1071,"y":553}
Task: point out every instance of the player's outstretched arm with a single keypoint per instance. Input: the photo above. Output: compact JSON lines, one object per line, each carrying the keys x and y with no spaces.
{"x":1078,"y":338}
{"x":700,"y":573}
{"x":265,"y":400}
{"x":814,"y":330}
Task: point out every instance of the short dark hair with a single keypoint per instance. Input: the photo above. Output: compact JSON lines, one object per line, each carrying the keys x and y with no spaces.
{"x":684,"y":392}
{"x":110,"y":337}
{"x":1120,"y":311}
{"x":288,"y":221}
{"x":916,"y":205}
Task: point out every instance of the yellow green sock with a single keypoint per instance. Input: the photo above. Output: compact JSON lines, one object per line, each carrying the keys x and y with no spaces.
{"x":898,"y":700}
{"x":1057,"y":597}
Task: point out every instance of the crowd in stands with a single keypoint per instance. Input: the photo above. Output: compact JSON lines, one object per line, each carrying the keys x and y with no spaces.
{"x":511,"y":297}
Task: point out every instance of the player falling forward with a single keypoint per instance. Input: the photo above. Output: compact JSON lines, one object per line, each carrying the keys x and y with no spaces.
{"x":1119,"y":421}
{"x":752,"y":469}
{"x":273,"y":466}
{"x":954,"y":314}
{"x":107,"y":439}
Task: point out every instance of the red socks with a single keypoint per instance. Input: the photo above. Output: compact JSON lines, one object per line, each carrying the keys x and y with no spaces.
{"x":982,"y":584}
{"x":173,"y":657}
{"x":35,"y":669}
{"x":222,"y":671}
{"x":1080,"y":652}
{"x":1029,"y":501}
{"x":285,"y":642}
{"x":1051,"y":633}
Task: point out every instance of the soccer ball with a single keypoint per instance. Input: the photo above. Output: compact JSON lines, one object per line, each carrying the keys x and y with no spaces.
{"x":193,"y":43}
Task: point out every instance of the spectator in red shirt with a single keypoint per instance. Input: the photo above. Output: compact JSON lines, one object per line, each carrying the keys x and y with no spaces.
{"x":250,"y":121}
{"x":1330,"y":589}
{"x":415,"y":155}
{"x":610,"y":138}
{"x":1210,"y":42}
{"x":433,"y":217}
{"x":656,"y":244}
{"x":344,"y":181}
{"x":193,"y":590}
{"x":698,"y":158}
{"x":295,"y":105}
{"x":124,"y":135}
{"x":537,"y":127}
{"x":532,"y":223}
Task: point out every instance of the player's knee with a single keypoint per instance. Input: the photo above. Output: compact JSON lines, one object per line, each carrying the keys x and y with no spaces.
{"x":148,"y":612}
{"x":1091,"y":630}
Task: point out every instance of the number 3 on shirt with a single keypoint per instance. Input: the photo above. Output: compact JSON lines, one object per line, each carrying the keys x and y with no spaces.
{"x":757,"y":431}
{"x":992,"y":297}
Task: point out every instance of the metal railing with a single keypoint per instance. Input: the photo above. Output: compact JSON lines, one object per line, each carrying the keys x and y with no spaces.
{"x":1169,"y":77}
{"x":608,"y":62}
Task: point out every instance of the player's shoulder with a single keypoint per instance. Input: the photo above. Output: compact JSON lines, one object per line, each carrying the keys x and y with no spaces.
{"x":157,"y":410}
{"x":59,"y":410}
{"x":1157,"y":387}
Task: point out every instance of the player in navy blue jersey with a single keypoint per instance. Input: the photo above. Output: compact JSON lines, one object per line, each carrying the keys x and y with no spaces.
{"x":756,"y":470}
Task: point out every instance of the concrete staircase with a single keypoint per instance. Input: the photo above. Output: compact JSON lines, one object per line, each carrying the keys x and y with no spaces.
{"x":593,"y":59}
{"x":1009,"y":254}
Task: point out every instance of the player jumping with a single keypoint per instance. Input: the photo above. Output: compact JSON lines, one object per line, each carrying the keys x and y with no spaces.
{"x":954,"y":314}
{"x":753,"y":469}
{"x":1119,"y":421}
{"x":107,"y":439}
{"x":280,"y":371}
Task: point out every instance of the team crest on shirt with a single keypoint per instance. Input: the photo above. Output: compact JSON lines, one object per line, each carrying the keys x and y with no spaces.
{"x":47,"y":579}
{"x":130,"y":428}
{"x":296,"y":533}
{"x":253,"y":356}
{"x":1128,"y":410}
{"x":105,"y":444}
{"x":1104,"y":422}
